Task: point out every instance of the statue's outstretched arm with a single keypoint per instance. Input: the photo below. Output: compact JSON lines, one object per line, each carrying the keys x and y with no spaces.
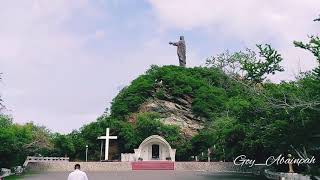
{"x":174,"y":43}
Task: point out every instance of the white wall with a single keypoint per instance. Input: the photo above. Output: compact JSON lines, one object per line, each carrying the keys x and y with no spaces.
{"x":146,"y":151}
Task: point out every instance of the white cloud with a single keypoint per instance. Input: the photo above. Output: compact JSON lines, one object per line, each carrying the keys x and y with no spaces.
{"x":44,"y":62}
{"x":61,"y":68}
{"x":286,"y":17}
{"x":99,"y":34}
{"x":248,"y":21}
{"x":62,"y":74}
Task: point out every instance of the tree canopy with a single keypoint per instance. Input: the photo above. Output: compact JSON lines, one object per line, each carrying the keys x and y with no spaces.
{"x":242,"y":111}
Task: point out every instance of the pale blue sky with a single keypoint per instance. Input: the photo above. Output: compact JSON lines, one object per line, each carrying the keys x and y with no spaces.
{"x":64,"y":61}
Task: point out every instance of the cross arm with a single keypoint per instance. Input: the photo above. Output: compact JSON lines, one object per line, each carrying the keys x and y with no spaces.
{"x":102,"y":137}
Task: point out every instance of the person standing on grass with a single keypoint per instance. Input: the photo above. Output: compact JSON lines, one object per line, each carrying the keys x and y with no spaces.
{"x":77,"y":174}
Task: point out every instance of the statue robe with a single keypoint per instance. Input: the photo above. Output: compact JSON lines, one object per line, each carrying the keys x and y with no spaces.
{"x":181,"y":51}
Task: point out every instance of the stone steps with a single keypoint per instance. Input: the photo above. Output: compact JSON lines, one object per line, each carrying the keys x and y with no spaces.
{"x":153,"y":165}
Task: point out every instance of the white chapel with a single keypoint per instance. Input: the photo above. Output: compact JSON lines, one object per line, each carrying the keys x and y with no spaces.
{"x":153,"y":148}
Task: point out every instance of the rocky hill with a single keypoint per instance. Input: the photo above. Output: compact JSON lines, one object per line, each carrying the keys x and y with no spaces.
{"x":185,"y":97}
{"x":173,"y":112}
{"x":199,"y":108}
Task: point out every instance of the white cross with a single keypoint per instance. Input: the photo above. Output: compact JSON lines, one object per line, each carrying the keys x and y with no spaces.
{"x":107,"y":137}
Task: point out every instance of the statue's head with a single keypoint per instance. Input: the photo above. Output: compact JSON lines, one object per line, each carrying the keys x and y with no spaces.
{"x":181,"y":37}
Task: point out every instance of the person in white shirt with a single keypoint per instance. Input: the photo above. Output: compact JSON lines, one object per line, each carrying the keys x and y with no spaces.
{"x":77,"y":174}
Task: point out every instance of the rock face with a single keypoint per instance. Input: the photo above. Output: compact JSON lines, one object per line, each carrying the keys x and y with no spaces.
{"x":174,"y":114}
{"x":173,"y":111}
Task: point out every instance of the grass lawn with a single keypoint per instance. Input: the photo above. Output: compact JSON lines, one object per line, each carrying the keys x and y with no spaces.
{"x":19,"y":176}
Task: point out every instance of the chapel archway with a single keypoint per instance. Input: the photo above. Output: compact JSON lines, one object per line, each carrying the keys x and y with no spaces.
{"x":155,"y":148}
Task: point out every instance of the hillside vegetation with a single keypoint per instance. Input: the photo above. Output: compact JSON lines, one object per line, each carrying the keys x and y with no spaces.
{"x":228,"y":106}
{"x":239,"y":117}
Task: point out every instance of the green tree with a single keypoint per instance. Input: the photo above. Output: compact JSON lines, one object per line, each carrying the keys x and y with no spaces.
{"x":247,"y":64}
{"x":1,"y":101}
{"x":63,"y":145}
{"x":19,"y":141}
{"x":257,"y":69}
{"x":314,"y":47}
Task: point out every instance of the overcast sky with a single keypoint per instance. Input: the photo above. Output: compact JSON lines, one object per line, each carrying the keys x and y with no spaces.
{"x":64,"y":60}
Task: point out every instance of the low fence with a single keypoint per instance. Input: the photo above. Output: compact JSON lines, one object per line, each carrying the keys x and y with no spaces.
{"x":127,"y":157}
{"x":56,"y":166}
{"x":216,"y":167}
{"x":126,"y":166}
{"x":44,"y":159}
